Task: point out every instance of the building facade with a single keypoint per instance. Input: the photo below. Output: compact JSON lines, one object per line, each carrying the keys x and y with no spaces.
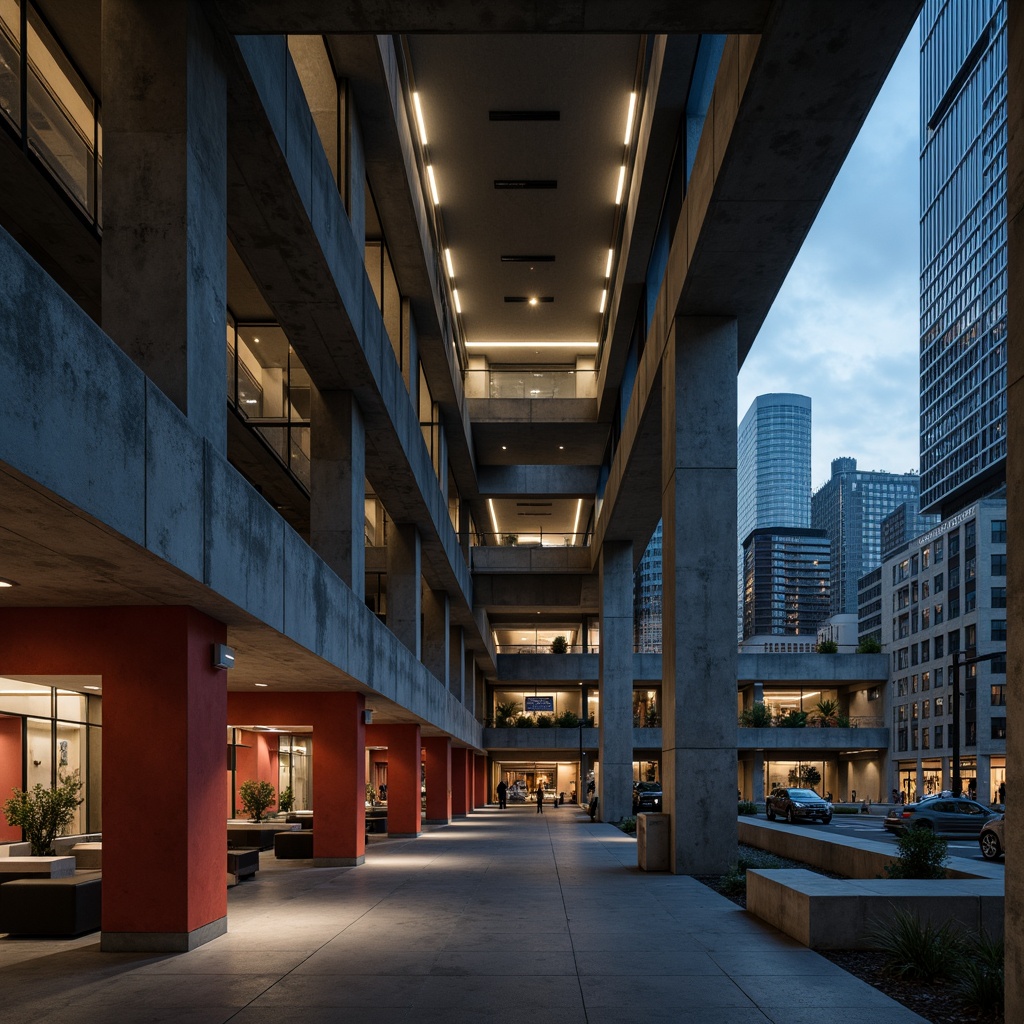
{"x":963,"y":252}
{"x":773,"y":470}
{"x":785,"y":585}
{"x":944,"y":605}
{"x":850,"y":508}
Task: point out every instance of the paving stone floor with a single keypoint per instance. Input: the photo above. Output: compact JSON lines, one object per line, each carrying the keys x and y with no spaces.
{"x":505,"y":917}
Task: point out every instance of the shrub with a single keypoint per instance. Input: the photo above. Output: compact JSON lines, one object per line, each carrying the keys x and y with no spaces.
{"x":792,"y":720}
{"x":869,"y":645}
{"x":287,"y":800}
{"x":827,"y":647}
{"x":44,"y":814}
{"x":982,"y":974}
{"x":922,"y":854}
{"x":757,"y":716}
{"x":924,"y":951}
{"x":628,"y":825}
{"x":257,"y":798}
{"x":567,"y":720}
{"x":505,"y":712}
{"x":735,"y":882}
{"x":828,"y":713}
{"x":545,"y":721}
{"x":559,"y":645}
{"x":746,"y":807}
{"x":523,"y":722}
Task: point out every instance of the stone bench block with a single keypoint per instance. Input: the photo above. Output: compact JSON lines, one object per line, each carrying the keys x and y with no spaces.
{"x":51,"y":906}
{"x":12,"y":868}
{"x":296,"y":845}
{"x":837,"y":913}
{"x":243,"y":863}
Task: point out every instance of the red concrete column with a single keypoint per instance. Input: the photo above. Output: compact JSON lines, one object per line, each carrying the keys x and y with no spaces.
{"x":437,"y":751}
{"x":11,"y":770}
{"x":339,"y":763}
{"x":461,"y":779}
{"x":164,"y":718}
{"x":404,"y":775}
{"x":480,"y":794}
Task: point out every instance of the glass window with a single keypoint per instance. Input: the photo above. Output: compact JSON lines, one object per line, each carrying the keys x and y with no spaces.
{"x":999,"y":629}
{"x":998,"y":695}
{"x":999,"y":565}
{"x":999,"y":597}
{"x":998,"y":531}
{"x":998,"y":728}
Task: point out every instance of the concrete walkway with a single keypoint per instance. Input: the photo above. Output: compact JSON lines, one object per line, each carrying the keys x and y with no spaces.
{"x":508,"y":916}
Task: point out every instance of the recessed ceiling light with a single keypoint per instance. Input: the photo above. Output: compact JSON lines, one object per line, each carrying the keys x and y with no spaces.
{"x":629,"y":118}
{"x":532,"y":300}
{"x":458,"y":304}
{"x":448,"y":261}
{"x":604,"y":299}
{"x":7,"y":583}
{"x":618,"y":188}
{"x":561,"y":447}
{"x":433,"y":184}
{"x":419,"y":117}
{"x":261,"y":684}
{"x":504,"y":447}
{"x":90,"y":687}
{"x":608,"y":265}
{"x":535,"y":345}
{"x":256,"y":340}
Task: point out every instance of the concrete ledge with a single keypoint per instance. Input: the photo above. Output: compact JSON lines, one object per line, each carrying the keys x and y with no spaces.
{"x":854,"y":858}
{"x":162,"y":942}
{"x":836,"y":913}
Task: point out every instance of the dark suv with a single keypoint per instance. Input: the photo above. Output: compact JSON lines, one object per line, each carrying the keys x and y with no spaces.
{"x":646,"y":796}
{"x":797,"y":805}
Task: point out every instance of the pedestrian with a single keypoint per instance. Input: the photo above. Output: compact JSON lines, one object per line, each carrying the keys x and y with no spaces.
{"x":1002,"y":792}
{"x":540,"y":799}
{"x":502,"y":793}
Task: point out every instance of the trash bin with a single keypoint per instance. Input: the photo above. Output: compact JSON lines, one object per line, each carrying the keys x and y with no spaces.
{"x":652,"y":841}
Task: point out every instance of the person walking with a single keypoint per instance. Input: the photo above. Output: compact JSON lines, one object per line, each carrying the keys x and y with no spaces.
{"x":502,"y":793}
{"x":540,"y":799}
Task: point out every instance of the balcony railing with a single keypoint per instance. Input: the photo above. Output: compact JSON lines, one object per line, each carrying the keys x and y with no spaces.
{"x":533,"y":539}
{"x":541,"y":648}
{"x":856,"y":722}
{"x":531,"y":383}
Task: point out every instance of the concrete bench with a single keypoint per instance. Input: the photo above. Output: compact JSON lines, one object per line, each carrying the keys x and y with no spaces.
{"x":296,"y":845}
{"x":12,"y":868}
{"x":243,"y":863}
{"x":88,"y":856}
{"x":843,"y":913}
{"x":249,"y":834}
{"x":51,"y":906}
{"x":376,"y":822}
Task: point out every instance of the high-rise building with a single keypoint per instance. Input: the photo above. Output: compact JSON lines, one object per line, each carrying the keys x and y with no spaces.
{"x":647,"y":599}
{"x":850,"y":508}
{"x":963,"y":251}
{"x":773,"y":471}
{"x":785,"y":584}
{"x":901,"y":526}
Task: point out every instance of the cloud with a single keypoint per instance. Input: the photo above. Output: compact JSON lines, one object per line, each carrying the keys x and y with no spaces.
{"x":844,"y":327}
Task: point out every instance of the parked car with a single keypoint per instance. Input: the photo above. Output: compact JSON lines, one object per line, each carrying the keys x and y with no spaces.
{"x":797,"y":805}
{"x":990,"y":838}
{"x":953,"y":815}
{"x":646,"y":796}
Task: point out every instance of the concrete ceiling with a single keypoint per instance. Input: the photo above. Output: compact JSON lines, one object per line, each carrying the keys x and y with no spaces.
{"x":463,"y":82}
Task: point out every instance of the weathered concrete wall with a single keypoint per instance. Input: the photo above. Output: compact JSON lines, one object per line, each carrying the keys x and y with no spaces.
{"x":823,"y":668}
{"x":82,"y":421}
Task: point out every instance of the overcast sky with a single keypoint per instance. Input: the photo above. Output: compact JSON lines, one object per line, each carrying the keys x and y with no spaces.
{"x":844,"y":328}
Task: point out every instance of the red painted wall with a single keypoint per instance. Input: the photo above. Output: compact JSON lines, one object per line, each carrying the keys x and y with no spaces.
{"x":164,"y":722}
{"x":255,"y":758}
{"x":404,"y":770}
{"x":339,"y":760}
{"x":461,"y":781}
{"x":11,"y":770}
{"x":437,"y":756}
{"x":480,"y":794}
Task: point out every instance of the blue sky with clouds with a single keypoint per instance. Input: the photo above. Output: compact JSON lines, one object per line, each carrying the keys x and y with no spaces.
{"x":844,"y":327}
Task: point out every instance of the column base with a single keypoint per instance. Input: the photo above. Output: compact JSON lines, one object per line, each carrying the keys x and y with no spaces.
{"x":404,"y":835}
{"x":162,"y":942}
{"x":338,"y":862}
{"x":437,"y":821}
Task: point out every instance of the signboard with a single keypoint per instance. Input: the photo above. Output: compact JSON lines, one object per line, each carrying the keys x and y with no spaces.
{"x":540,"y":703}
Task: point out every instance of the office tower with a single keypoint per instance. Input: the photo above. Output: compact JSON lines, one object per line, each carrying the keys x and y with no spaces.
{"x":850,"y":508}
{"x":773,"y":470}
{"x":785,"y":585}
{"x":647,"y":598}
{"x":963,"y":251}
{"x":901,"y":526}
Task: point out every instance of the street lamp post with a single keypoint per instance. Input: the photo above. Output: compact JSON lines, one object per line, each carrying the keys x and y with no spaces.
{"x":956,"y":783}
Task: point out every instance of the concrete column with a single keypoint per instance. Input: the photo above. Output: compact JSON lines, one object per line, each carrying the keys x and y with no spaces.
{"x":355,"y":180}
{"x":404,"y":587}
{"x":984,"y":775}
{"x":435,"y":633}
{"x":437,"y":757}
{"x":758,"y":779}
{"x":464,"y":535}
{"x":699,"y":592}
{"x":480,"y":787}
{"x":456,"y":661}
{"x":164,"y":273}
{"x":615,"y":681}
{"x":405,"y":754}
{"x":337,"y":499}
{"x":164,"y":726}
{"x":461,"y":782}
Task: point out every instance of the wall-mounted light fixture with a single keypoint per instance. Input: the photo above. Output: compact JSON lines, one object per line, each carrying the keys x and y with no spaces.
{"x":223,"y":656}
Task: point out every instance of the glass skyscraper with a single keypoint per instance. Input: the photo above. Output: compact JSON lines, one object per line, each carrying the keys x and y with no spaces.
{"x":773,"y":471}
{"x":963,"y":251}
{"x":850,"y":509}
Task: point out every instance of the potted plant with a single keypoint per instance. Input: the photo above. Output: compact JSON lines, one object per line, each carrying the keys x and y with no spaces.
{"x":827,"y":647}
{"x":257,"y":798}
{"x":559,"y":645}
{"x":505,"y":712}
{"x":757,"y":716}
{"x":828,"y":713}
{"x":286,"y":801}
{"x":44,"y":814}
